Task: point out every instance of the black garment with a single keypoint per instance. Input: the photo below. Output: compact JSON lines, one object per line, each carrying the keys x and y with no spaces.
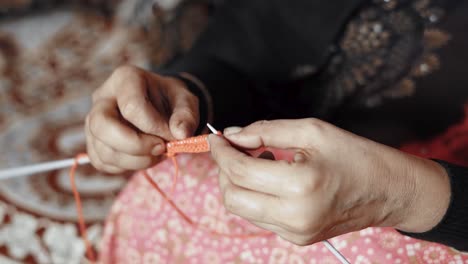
{"x":453,"y":229}
{"x":390,"y":70}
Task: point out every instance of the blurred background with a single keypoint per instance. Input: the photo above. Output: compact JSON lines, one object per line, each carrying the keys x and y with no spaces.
{"x":53,"y":54}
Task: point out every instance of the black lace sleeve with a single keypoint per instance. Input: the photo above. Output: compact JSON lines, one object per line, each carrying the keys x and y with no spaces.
{"x":261,"y":41}
{"x":384,"y":49}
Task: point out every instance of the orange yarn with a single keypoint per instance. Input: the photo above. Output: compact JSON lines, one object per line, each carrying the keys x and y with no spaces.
{"x":198,"y":144}
{"x":79,"y":210}
{"x":190,"y":221}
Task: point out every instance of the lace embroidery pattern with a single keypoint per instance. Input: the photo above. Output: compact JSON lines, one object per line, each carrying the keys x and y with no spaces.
{"x":384,"y":48}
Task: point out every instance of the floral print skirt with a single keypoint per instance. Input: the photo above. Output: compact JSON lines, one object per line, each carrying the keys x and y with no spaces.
{"x":143,"y":228}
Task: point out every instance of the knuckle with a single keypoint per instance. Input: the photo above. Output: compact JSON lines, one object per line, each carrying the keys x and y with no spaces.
{"x":93,"y":124}
{"x":95,"y":95}
{"x":87,"y":119}
{"x":237,"y":177}
{"x":96,"y":163}
{"x":316,"y":125}
{"x":264,"y":215}
{"x":309,"y":185}
{"x":303,"y":185}
{"x":297,"y":189}
{"x":106,"y":155}
{"x":302,"y":222}
{"x":236,"y":168}
{"x":222,"y":182}
{"x":186,"y":112}
{"x":143,"y":162}
{"x":194,"y":101}
{"x":106,"y":159}
{"x":126,"y":70}
{"x":301,"y":241}
{"x":301,"y":225}
{"x":262,"y":123}
{"x":228,"y":200}
{"x":100,"y":92}
{"x":137,"y":146}
{"x":114,"y":170}
{"x":130,"y":109}
{"x":191,"y":100}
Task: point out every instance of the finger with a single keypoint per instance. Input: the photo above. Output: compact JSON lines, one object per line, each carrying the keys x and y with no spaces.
{"x":185,"y":117}
{"x":269,"y":227}
{"x":282,"y":134}
{"x":300,"y":239}
{"x":294,"y":238}
{"x":136,"y":108}
{"x":251,"y":205}
{"x":223,"y":181}
{"x":297,"y":239}
{"x":105,"y":124}
{"x":114,"y":158}
{"x":285,"y":234}
{"x":256,"y":174}
{"x":96,"y":162}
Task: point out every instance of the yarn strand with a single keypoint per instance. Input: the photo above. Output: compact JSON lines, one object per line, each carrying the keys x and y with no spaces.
{"x":79,"y":210}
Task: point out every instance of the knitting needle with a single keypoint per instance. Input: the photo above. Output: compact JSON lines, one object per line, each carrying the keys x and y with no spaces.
{"x":40,"y":167}
{"x":335,"y":252}
{"x":212,"y":129}
{"x":52,"y":165}
{"x":328,"y":245}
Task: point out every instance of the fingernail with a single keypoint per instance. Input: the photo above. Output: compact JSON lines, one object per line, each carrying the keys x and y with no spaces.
{"x":299,"y":157}
{"x":232,"y":130}
{"x":157,"y":150}
{"x":210,"y":137}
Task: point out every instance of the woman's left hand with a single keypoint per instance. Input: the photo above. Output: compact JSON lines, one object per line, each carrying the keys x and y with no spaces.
{"x":337,"y":183}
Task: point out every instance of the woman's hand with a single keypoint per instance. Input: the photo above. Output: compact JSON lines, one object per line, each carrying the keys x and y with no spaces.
{"x":133,"y":113}
{"x":337,"y":183}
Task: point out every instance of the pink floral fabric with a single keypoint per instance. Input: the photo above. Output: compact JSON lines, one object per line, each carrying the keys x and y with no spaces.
{"x":143,"y":228}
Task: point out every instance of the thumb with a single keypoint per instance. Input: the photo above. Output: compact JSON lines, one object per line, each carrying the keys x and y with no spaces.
{"x":281,"y":134}
{"x":185,"y":118}
{"x":136,"y":108}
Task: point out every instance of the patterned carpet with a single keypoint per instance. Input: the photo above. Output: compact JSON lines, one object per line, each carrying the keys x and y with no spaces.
{"x":50,"y":62}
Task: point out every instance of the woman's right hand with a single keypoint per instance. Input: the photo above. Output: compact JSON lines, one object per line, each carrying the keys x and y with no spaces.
{"x":134,"y":112}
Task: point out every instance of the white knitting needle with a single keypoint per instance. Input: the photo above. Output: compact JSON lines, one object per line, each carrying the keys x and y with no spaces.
{"x":40,"y":167}
{"x":328,"y":245}
{"x":335,"y":252}
{"x":50,"y":166}
{"x":212,"y":129}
